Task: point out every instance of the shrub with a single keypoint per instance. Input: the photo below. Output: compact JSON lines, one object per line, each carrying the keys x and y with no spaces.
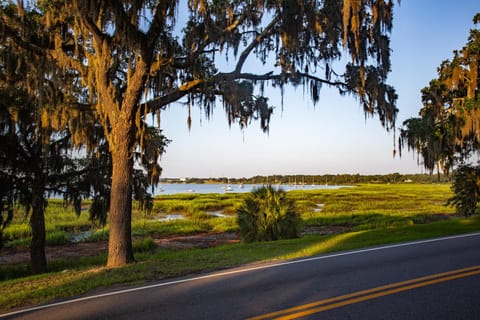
{"x":17,"y":231}
{"x":98,"y":235}
{"x":57,"y":238}
{"x":466,"y":189}
{"x":144,"y":245}
{"x":267,"y":214}
{"x":227,"y":224}
{"x":22,"y":243}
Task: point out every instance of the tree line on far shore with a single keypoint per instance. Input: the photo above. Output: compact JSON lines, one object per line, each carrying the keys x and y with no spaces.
{"x":326,"y":179}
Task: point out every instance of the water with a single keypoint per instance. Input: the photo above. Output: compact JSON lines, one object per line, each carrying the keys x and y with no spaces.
{"x":80,"y":237}
{"x":175,"y":188}
{"x":171,"y":217}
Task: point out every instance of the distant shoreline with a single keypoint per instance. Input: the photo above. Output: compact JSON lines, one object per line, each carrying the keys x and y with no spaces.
{"x":325,"y":179}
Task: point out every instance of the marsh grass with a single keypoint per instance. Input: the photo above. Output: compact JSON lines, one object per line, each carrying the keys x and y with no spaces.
{"x":53,"y":238}
{"x":379,"y":206}
{"x":58,"y":218}
{"x":362,"y":207}
{"x":190,"y":204}
{"x":183,"y":226}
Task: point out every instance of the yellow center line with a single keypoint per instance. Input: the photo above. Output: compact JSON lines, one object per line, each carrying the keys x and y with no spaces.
{"x":351,"y":298}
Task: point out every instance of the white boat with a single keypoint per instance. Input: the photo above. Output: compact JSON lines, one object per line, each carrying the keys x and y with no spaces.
{"x":228,"y":188}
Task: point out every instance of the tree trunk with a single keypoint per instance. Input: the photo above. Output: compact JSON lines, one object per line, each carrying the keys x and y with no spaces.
{"x":120,"y":250}
{"x":37,"y":247}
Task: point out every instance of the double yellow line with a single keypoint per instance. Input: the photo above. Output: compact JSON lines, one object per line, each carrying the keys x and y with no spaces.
{"x":351,"y":298}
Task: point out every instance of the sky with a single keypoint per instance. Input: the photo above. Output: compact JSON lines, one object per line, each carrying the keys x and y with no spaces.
{"x":333,"y":136}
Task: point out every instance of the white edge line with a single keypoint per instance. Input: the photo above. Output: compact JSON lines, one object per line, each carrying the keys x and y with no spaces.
{"x":248,"y":269}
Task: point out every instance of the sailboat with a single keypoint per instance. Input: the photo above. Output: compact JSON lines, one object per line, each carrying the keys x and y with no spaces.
{"x":228,"y":187}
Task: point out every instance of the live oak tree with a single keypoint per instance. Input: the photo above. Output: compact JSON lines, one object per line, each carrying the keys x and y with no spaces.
{"x":40,"y":154}
{"x":448,"y":129}
{"x":35,"y":154}
{"x":37,"y":141}
{"x":461,"y":75}
{"x":48,"y":147}
{"x":37,"y":162}
{"x":447,"y":132}
{"x":133,"y":59}
{"x":432,"y":134}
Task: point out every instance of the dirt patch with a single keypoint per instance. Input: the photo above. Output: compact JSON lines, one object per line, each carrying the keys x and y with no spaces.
{"x":85,"y":249}
{"x":74,"y":250}
{"x":202,"y":240}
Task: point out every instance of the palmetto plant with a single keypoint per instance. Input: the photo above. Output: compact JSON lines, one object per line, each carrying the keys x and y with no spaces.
{"x":268,"y":214}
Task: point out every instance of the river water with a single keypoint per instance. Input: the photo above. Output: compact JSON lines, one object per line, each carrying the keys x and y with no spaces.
{"x":175,"y":188}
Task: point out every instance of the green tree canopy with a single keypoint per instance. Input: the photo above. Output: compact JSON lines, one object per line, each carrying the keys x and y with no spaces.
{"x":432,"y":134}
{"x":448,"y":129}
{"x":37,"y":162}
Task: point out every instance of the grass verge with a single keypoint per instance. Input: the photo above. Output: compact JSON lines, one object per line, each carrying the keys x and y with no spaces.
{"x":170,"y":263}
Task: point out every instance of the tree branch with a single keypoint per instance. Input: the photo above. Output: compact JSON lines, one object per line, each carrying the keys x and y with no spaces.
{"x":193,"y":86}
{"x":131,"y":32}
{"x":271,"y":76}
{"x":92,"y":27}
{"x":187,"y":61}
{"x":158,"y":24}
{"x":258,"y":39}
{"x":160,"y":102}
{"x":10,"y":33}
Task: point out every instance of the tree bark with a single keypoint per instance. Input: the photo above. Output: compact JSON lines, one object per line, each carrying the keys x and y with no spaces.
{"x":37,"y":246}
{"x":120,"y":250}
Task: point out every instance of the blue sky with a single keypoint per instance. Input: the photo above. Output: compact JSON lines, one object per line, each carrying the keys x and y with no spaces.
{"x":332,"y":137}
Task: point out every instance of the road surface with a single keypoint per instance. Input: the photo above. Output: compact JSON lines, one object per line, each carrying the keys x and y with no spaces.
{"x":434,"y":279}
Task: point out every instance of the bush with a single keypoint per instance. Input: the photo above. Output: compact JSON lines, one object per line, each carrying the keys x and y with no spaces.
{"x":144,"y":245}
{"x":466,"y":190}
{"x":57,"y":238}
{"x":98,"y":235}
{"x":17,"y":231}
{"x":267,"y":214}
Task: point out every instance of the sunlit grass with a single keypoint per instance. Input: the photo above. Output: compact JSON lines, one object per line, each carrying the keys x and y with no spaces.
{"x":191,"y":203}
{"x":376,"y":206}
{"x":328,"y":244}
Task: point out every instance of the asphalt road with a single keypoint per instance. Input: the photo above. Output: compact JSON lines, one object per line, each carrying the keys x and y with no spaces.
{"x":437,"y":279}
